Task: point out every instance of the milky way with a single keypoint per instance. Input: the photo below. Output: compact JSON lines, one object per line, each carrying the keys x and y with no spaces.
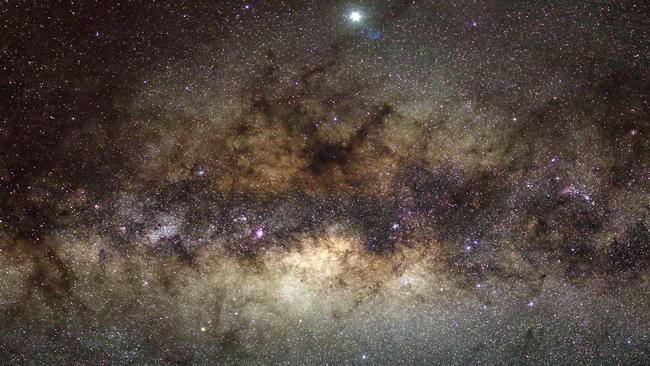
{"x":306,"y":183}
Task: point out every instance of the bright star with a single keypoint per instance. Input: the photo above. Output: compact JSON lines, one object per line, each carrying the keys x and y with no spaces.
{"x":355,"y":16}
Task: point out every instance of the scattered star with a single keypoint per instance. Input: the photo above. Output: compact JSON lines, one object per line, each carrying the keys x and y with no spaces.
{"x":324,"y":183}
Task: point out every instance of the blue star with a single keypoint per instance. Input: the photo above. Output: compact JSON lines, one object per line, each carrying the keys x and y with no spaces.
{"x":374,"y":34}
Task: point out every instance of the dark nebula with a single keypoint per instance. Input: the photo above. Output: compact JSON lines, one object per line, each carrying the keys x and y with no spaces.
{"x":325,"y":182}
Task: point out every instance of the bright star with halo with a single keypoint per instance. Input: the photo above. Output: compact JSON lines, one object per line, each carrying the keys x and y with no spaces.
{"x":355,"y":16}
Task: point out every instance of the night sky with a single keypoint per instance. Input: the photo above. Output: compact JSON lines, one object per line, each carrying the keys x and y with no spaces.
{"x":325,"y":182}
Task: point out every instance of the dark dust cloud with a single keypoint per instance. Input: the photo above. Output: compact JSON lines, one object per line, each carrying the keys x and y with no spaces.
{"x":325,"y":182}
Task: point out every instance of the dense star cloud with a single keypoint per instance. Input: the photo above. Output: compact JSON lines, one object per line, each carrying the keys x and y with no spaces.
{"x":306,"y":183}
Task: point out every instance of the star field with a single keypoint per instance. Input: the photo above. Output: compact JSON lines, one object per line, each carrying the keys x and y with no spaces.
{"x":325,"y":183}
